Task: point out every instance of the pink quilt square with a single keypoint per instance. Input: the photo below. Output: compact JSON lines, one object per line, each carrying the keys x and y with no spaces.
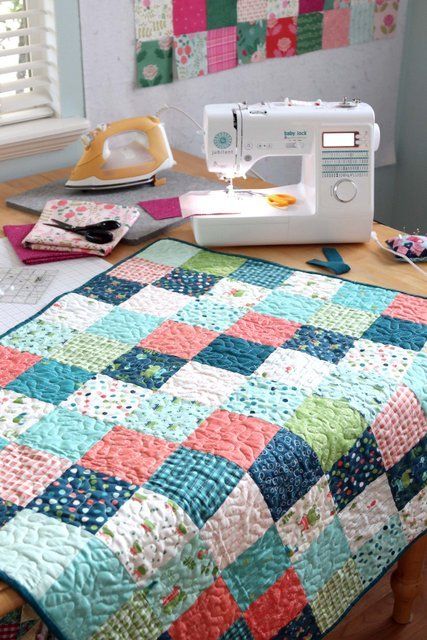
{"x":13,"y":363}
{"x":222,"y":49}
{"x":336,"y":28}
{"x":308,"y":6}
{"x":128,"y":454}
{"x":408,"y":308}
{"x":189,"y":16}
{"x":178,"y":339}
{"x":233,"y":436}
{"x":258,"y":327}
{"x":140,"y":270}
{"x":26,"y":472}
{"x":399,"y":426}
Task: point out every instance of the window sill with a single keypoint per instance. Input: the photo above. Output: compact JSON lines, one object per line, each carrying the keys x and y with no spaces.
{"x":39,"y":136}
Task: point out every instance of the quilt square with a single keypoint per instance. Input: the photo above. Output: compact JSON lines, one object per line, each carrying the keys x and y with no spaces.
{"x":221,"y":13}
{"x":355,"y":470}
{"x":281,"y":37}
{"x":38,"y":337}
{"x":144,"y":521}
{"x":401,"y":333}
{"x":257,"y":327}
{"x":303,"y":626}
{"x":14,"y":363}
{"x":239,"y":294}
{"x":50,"y":381}
{"x":281,"y":304}
{"x":234,"y":354}
{"x":67,"y":434}
{"x":187,"y":282}
{"x":90,"y":352}
{"x":7,"y":511}
{"x":111,"y":290}
{"x":362,"y":22}
{"x":415,"y":377}
{"x":233,"y":436}
{"x":25,"y":472}
{"x":336,"y":317}
{"x":282,"y":8}
{"x":336,"y":28}
{"x":198,"y":482}
{"x":375,"y":357}
{"x":412,"y":516}
{"x":408,"y":477}
{"x":257,"y":569}
{"x":407,"y":307}
{"x":326,"y":555}
{"x":262,"y":274}
{"x":373,"y":507}
{"x":153,"y":19}
{"x":312,"y":285}
{"x":202,"y":383}
{"x":83,"y":498}
{"x":385,"y":18}
{"x":363,"y":297}
{"x":154,"y":62}
{"x":135,"y":612}
{"x":194,"y":624}
{"x":125,"y":326}
{"x":265,"y":399}
{"x":218,"y":264}
{"x":189,"y":16}
{"x":308,"y":6}
{"x":169,"y":252}
{"x":127,"y":454}
{"x":19,"y":412}
{"x":312,"y":422}
{"x":139,"y":270}
{"x":280,"y":604}
{"x":210,"y":314}
{"x":285,"y":471}
{"x":309,"y":32}
{"x":144,"y":368}
{"x":399,"y":426}
{"x":229,"y":532}
{"x":295,"y":368}
{"x":179,"y":339}
{"x":156,"y":302}
{"x":251,"y":41}
{"x":320,"y":343}
{"x":238,"y":631}
{"x":307,"y":518}
{"x":167,"y":417}
{"x":76,"y":311}
{"x":251,"y":10}
{"x":191,"y":55}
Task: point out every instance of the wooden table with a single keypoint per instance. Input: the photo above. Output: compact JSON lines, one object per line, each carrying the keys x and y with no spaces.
{"x":368,"y":264}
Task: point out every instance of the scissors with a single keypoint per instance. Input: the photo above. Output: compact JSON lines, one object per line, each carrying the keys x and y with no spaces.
{"x":98,"y":233}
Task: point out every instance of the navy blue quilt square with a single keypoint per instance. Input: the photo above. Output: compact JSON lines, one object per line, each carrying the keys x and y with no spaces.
{"x":7,"y":511}
{"x":199,"y":482}
{"x":262,"y":274}
{"x":145,"y":368}
{"x":326,"y":345}
{"x":190,"y":283}
{"x":401,"y":333}
{"x":408,"y":476}
{"x":83,"y":497}
{"x":238,"y":631}
{"x":303,"y":627}
{"x":109,"y":289}
{"x":285,"y":471}
{"x":360,"y":466}
{"x":50,"y":381}
{"x":234,"y":354}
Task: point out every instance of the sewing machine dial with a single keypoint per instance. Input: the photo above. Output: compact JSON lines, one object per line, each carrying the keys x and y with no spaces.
{"x":345,"y":190}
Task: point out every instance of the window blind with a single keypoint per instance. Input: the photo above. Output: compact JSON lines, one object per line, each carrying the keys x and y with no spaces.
{"x":28,"y":63}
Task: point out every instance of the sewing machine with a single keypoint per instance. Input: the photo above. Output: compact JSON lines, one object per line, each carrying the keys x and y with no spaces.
{"x":335,"y":197}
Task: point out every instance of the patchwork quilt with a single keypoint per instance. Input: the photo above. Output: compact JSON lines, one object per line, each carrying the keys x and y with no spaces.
{"x":203,"y":446}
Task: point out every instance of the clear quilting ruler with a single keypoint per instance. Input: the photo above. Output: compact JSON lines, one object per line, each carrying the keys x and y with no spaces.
{"x":24,"y":286}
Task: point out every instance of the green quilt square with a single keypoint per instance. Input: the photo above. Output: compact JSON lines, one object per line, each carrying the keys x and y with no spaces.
{"x":154,"y":62}
{"x":38,"y":337}
{"x":336,"y":317}
{"x":329,"y":426}
{"x":135,"y":618}
{"x":221,"y":13}
{"x":216,"y":263}
{"x":90,"y":352}
{"x":309,"y":32}
{"x":251,"y":41}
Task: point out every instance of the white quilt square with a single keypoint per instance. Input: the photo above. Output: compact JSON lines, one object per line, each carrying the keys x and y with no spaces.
{"x":295,"y":368}
{"x":413,"y":516}
{"x":156,"y":301}
{"x":19,"y":412}
{"x":385,"y":359}
{"x":238,"y":294}
{"x":311,"y":285}
{"x":76,"y":311}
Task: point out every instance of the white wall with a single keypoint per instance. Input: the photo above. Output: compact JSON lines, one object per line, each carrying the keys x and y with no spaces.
{"x":370,"y":71}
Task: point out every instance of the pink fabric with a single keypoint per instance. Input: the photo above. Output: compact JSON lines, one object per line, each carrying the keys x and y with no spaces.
{"x":222,"y":49}
{"x":189,"y":16}
{"x":336,"y":28}
{"x":162,"y":209}
{"x":308,"y":6}
{"x":16,"y":233}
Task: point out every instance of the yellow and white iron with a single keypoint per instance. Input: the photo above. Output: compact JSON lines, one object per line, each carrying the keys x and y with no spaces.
{"x":123,"y":153}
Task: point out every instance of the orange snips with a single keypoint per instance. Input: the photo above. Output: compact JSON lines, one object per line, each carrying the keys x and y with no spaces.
{"x":281,"y":200}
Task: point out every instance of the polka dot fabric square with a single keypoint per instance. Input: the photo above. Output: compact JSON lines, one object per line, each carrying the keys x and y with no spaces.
{"x":191,"y":283}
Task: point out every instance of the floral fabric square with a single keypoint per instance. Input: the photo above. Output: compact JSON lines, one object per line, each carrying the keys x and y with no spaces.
{"x":154,"y":62}
{"x":281,"y":37}
{"x":385,"y":18}
{"x":282,"y":8}
{"x":191,"y":55}
{"x":139,"y":270}
{"x":153,"y":19}
{"x":222,"y":49}
{"x":251,"y":10}
{"x":251,"y":41}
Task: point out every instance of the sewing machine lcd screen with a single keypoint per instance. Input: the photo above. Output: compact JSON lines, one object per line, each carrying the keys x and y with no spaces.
{"x":339,"y":139}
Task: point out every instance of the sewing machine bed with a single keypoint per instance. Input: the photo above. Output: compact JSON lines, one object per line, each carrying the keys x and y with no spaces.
{"x":203,"y":445}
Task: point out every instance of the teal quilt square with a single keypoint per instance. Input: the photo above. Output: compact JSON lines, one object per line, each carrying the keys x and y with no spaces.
{"x":3,"y":443}
{"x":289,"y":307}
{"x":327,"y":554}
{"x":359,"y":296}
{"x":415,"y":378}
{"x":362,"y":23}
{"x":257,"y":568}
{"x":67,"y":434}
{"x":91,"y":588}
{"x":125,"y":326}
{"x":170,"y":253}
{"x":38,"y":337}
{"x":210,"y":315}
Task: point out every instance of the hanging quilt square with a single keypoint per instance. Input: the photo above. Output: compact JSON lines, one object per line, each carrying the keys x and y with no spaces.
{"x":191,"y":55}
{"x":310,"y":6}
{"x":336,"y":28}
{"x":251,"y":10}
{"x":222,"y":49}
{"x":339,"y":4}
{"x":153,"y":19}
{"x":251,"y":41}
{"x":189,"y":16}
{"x":281,"y":37}
{"x":282,"y":8}
{"x":221,"y":13}
{"x":309,"y":32}
{"x":154,"y":62}
{"x":385,"y":18}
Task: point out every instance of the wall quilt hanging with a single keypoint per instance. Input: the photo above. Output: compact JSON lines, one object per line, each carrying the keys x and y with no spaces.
{"x":180,"y":39}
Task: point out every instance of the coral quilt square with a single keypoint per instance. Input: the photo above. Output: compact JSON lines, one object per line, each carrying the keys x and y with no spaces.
{"x":281,"y":38}
{"x":221,"y":13}
{"x":239,"y":294}
{"x":19,"y":412}
{"x":257,"y":327}
{"x":154,"y":62}
{"x":336,"y":28}
{"x":401,"y":333}
{"x":281,"y":304}
{"x":157,"y":302}
{"x":189,"y":16}
{"x":144,"y":367}
{"x":234,"y":354}
{"x":191,"y":55}
{"x":38,"y":337}
{"x":125,"y":326}
{"x":111,"y":290}
{"x":409,"y":476}
{"x":83,"y":498}
{"x":407,"y":307}
{"x":90,"y":352}
{"x":139,"y":270}
{"x":295,"y":368}
{"x":222,"y":52}
{"x":128,"y":454}
{"x":325,"y":345}
{"x":336,"y":317}
{"x":190,"y":283}
{"x":179,"y":339}
{"x":191,"y":478}
{"x":251,"y":41}
{"x":14,"y":363}
{"x":210,"y":314}
{"x":76,"y":311}
{"x":309,"y":32}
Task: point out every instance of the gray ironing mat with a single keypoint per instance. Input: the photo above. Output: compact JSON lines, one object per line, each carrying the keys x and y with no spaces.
{"x":145,"y":227}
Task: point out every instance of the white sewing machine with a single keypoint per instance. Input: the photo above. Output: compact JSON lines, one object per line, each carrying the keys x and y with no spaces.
{"x":335,"y":198}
